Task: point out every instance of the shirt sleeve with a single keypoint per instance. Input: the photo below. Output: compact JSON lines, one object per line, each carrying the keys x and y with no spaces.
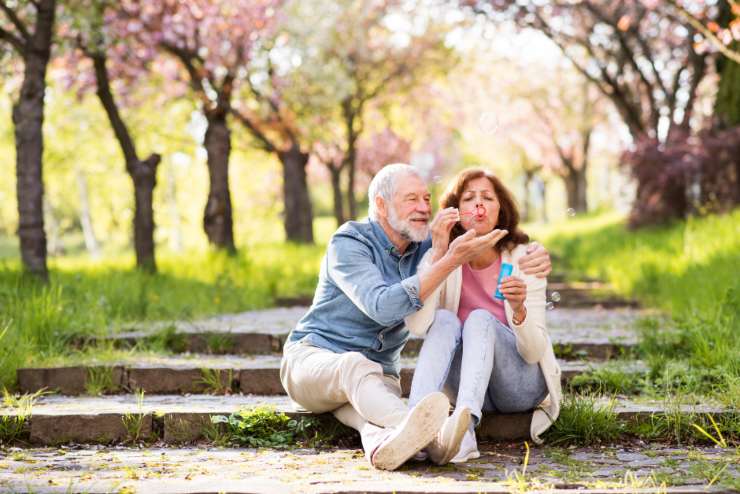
{"x":351,"y":267}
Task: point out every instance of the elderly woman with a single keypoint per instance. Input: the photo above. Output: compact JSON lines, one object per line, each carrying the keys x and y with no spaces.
{"x":485,"y":353}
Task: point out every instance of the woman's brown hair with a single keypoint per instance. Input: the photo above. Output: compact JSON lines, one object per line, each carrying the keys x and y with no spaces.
{"x":508,"y":215}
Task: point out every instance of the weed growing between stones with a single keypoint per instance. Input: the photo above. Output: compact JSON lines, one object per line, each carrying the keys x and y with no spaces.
{"x":219,"y":343}
{"x":264,"y":426}
{"x":13,"y":427}
{"x":583,"y":421}
{"x":213,"y":381}
{"x":608,"y":379}
{"x":134,"y":422}
{"x":99,"y":380}
{"x":167,"y":339}
{"x":680,"y":427}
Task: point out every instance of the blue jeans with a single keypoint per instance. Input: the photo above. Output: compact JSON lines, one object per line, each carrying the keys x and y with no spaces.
{"x":477,"y":365}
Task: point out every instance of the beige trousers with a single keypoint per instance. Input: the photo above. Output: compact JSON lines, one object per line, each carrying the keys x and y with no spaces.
{"x":348,"y":384}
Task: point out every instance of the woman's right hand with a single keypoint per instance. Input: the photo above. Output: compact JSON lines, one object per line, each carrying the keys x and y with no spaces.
{"x":468,"y":246}
{"x":441,"y":227}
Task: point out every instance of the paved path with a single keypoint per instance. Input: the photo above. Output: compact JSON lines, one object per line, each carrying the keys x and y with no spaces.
{"x":164,"y":470}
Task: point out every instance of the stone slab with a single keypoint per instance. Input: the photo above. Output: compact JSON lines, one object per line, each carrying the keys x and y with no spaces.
{"x":88,"y":428}
{"x":596,"y":332}
{"x":99,"y":470}
{"x":68,"y":380}
{"x":187,"y":374}
{"x":59,"y":419}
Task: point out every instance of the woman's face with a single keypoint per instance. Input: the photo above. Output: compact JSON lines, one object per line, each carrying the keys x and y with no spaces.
{"x":479,"y":206}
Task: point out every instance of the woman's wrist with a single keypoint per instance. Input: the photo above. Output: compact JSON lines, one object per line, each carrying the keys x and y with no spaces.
{"x":520,"y":314}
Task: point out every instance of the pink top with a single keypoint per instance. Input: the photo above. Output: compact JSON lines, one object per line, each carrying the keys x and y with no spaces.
{"x":478,"y":287}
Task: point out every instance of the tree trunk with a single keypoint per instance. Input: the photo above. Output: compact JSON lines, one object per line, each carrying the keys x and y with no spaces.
{"x":145,"y":179}
{"x":217,"y":219}
{"x":88,"y":232}
{"x":28,"y":119}
{"x":298,"y":213}
{"x":143,"y":173}
{"x":336,"y":188}
{"x":575,"y":187}
{"x":351,"y":197}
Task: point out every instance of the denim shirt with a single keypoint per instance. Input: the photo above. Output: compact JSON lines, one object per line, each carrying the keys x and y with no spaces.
{"x":365,"y":290}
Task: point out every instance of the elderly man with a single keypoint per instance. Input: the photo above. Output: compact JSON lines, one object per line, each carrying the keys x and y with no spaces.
{"x":344,"y":354}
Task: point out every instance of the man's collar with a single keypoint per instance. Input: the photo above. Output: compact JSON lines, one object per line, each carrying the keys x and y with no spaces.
{"x":386,"y":242}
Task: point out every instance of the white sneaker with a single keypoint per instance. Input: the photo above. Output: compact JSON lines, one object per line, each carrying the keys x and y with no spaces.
{"x":468,"y":448}
{"x":419,"y":427}
{"x":447,"y":443}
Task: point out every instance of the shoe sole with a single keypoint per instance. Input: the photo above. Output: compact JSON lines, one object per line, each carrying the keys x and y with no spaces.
{"x":421,"y":426}
{"x":470,"y":456}
{"x":461,"y":426}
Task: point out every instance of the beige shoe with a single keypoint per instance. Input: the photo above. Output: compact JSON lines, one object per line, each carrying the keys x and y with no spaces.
{"x":447,"y":443}
{"x":468,"y":448}
{"x":420,"y":426}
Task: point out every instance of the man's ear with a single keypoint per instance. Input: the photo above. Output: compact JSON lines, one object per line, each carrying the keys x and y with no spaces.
{"x":380,"y":207}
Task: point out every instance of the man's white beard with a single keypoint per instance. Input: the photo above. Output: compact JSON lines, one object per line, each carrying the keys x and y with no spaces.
{"x":406,"y":229}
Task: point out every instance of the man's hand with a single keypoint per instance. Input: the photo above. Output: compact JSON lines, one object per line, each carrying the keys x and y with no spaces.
{"x":515,"y":291}
{"x":441,"y":227}
{"x":468,"y":246}
{"x":536,"y":262}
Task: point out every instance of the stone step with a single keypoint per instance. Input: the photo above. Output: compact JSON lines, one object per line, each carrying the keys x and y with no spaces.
{"x":585,"y":470}
{"x":585,"y":333}
{"x":573,"y":294}
{"x":177,"y":419}
{"x":258,"y":375}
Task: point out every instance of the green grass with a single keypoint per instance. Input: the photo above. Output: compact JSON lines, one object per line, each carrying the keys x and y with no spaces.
{"x":86,"y":299}
{"x":612,"y":378}
{"x":583,"y":421}
{"x":690,"y":269}
{"x":263,"y":426}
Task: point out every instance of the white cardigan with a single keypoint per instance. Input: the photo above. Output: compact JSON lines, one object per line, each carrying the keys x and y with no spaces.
{"x":532,"y":340}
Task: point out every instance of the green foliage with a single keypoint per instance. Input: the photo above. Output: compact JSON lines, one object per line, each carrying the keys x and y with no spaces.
{"x":134,"y":422}
{"x":263,"y":426}
{"x":217,"y":381}
{"x":13,"y":427}
{"x":99,"y":380}
{"x":219,"y":343}
{"x":85,"y":300}
{"x":608,"y":379}
{"x":584,"y":421}
{"x":689,"y":269}
{"x":681,"y":427}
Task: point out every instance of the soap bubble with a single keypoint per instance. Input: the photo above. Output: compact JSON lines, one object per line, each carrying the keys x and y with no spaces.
{"x":488,"y":122}
{"x":570,"y":212}
{"x":555,"y":296}
{"x":437,"y":179}
{"x":550,"y":306}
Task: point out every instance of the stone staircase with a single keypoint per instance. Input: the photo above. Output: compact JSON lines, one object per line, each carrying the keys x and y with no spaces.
{"x":228,"y":363}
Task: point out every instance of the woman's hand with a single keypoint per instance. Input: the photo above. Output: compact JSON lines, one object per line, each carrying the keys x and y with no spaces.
{"x":468,"y":246}
{"x":536,"y":262}
{"x":515,"y":291}
{"x":441,"y":227}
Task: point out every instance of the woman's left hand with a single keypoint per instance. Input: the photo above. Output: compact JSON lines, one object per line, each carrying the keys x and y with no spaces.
{"x":536,"y":261}
{"x":515,"y":291}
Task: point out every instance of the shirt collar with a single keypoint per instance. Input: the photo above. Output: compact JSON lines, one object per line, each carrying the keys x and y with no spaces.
{"x":386,"y":243}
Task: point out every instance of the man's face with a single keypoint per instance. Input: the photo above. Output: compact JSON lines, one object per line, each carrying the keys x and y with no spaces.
{"x":410,"y":210}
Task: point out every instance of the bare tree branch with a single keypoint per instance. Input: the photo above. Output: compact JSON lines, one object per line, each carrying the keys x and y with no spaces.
{"x":14,"y":41}
{"x":17,"y":22}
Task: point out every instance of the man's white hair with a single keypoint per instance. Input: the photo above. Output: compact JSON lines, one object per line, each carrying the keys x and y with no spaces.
{"x":384,"y":183}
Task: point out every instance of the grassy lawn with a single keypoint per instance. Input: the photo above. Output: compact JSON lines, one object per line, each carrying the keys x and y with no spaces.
{"x":691,"y":269}
{"x":85,"y":298}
